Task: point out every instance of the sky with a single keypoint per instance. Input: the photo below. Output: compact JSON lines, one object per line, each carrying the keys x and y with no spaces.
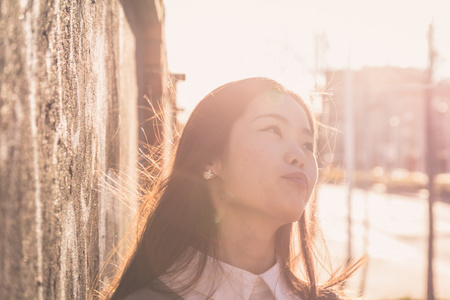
{"x":214,"y":42}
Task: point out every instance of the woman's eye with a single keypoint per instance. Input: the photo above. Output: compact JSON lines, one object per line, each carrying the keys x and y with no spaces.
{"x":308,"y":146}
{"x":274,"y":129}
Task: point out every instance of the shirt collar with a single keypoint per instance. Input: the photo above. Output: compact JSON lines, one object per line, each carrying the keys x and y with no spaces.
{"x":223,"y":281}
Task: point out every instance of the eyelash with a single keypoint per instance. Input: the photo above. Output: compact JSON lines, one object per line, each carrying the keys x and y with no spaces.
{"x":276,"y":130}
{"x":309,"y":147}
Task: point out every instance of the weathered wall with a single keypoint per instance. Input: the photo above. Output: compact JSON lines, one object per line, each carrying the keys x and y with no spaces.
{"x":68,"y":132}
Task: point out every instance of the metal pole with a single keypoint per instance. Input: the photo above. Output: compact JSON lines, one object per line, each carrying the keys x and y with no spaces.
{"x":349,"y":153}
{"x":430,"y":153}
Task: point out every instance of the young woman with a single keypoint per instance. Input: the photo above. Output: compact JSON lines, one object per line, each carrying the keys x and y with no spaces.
{"x":228,"y":222}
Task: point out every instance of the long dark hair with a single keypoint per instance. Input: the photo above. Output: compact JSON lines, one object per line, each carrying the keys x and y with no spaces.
{"x":176,"y":219}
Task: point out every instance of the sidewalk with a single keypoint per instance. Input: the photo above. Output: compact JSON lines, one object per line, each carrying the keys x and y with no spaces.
{"x":396,"y":242}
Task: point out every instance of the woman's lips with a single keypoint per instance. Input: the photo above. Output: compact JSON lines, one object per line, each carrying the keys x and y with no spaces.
{"x":297,"y":178}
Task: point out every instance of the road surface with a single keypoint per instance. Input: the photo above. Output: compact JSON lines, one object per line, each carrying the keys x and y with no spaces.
{"x":393,"y":230}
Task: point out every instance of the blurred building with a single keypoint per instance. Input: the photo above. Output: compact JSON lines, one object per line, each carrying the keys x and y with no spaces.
{"x":156,"y":86}
{"x":442,"y":104}
{"x":389,"y":118}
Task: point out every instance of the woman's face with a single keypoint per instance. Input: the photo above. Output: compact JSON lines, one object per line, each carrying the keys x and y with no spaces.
{"x":269,"y":168}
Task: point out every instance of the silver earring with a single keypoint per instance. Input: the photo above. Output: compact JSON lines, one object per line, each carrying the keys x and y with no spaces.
{"x":208,"y":175}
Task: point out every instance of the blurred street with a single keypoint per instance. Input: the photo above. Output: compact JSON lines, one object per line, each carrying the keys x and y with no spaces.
{"x":397,"y":227}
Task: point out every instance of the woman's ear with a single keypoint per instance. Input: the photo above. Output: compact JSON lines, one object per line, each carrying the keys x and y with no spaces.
{"x":212,"y":169}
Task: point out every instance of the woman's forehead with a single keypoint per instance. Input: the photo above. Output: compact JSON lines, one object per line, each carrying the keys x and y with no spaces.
{"x":277,"y":103}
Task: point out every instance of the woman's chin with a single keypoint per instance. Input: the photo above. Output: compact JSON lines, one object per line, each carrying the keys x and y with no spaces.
{"x":291,"y":216}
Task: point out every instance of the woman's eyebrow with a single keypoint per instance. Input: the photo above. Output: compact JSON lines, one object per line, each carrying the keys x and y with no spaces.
{"x":283,"y":119}
{"x":273,"y":115}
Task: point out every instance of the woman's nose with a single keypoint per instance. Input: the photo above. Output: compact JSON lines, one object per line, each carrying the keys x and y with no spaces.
{"x":295,"y":156}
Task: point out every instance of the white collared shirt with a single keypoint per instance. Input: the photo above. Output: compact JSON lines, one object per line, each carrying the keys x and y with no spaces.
{"x":228,"y":282}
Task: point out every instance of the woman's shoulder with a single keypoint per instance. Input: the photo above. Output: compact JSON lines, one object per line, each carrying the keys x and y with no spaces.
{"x":149,"y":294}
{"x":329,"y":295}
{"x":336,"y":295}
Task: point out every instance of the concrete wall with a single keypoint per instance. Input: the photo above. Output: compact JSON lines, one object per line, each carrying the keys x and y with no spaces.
{"x":68,"y":137}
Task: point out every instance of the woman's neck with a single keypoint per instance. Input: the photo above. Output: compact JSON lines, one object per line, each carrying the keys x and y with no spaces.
{"x":246,"y":244}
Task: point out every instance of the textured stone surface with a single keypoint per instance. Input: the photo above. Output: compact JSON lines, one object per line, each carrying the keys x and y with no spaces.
{"x":68,"y":136}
